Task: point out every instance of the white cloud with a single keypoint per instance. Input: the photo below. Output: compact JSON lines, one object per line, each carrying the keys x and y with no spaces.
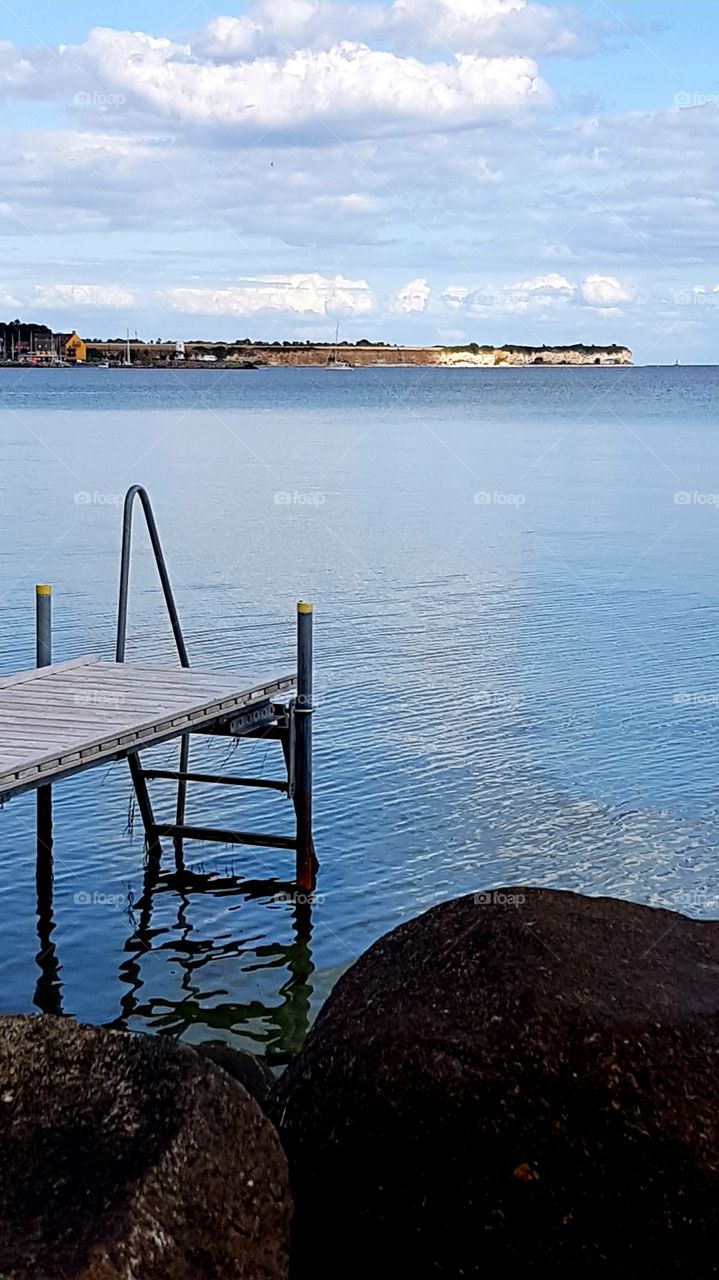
{"x":542,"y":284}
{"x":605,"y":291}
{"x":297,"y":294}
{"x":275,"y":27}
{"x":108,"y":297}
{"x":356,"y":203}
{"x":8,"y":299}
{"x":539,"y":294}
{"x":413,"y":296}
{"x":271,"y":27}
{"x":348,"y":90}
{"x":16,"y":72}
{"x":489,"y":26}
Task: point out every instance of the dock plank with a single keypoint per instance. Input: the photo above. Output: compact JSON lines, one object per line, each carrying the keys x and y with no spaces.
{"x":37,"y":673}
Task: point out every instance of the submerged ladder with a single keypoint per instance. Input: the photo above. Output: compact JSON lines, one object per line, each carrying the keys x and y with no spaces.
{"x":290,"y":725}
{"x":152,"y":705}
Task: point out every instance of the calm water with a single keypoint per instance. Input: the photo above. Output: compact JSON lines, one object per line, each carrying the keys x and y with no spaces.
{"x":516,"y":636}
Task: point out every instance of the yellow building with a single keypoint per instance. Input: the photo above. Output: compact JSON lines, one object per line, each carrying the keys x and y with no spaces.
{"x":75,"y":349}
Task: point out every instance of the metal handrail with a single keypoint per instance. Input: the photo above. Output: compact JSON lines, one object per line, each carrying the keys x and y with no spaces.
{"x":137,"y":491}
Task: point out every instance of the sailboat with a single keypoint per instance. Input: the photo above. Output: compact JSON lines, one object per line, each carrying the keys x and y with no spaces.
{"x":128,"y":356}
{"x":56,"y":360}
{"x":334,"y":362}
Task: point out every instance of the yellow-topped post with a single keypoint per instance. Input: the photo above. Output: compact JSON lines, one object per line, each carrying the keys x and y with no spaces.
{"x":303,"y":708}
{"x":43,"y":625}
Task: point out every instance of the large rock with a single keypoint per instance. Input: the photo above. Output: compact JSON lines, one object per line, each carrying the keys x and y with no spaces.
{"x":524,"y":1081}
{"x":128,"y":1157}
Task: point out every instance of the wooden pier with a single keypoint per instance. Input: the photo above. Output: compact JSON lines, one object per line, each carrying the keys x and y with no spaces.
{"x":59,"y":720}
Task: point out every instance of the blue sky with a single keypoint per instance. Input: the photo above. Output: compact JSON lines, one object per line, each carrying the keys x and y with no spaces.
{"x":418,"y":170}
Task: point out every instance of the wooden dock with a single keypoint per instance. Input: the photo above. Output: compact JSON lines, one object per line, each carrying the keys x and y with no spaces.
{"x":61,"y":719}
{"x":57,"y":720}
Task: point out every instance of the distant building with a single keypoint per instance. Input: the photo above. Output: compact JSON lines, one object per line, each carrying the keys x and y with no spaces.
{"x":122,"y":351}
{"x":75,"y":349}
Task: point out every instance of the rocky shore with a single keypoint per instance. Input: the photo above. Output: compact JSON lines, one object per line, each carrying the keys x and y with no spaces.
{"x":518,"y":1081}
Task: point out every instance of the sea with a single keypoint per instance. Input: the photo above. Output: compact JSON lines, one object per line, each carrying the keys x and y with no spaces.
{"x":514,"y":574}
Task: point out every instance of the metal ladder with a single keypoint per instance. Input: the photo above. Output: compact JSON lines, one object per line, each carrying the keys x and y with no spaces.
{"x":289,"y":724}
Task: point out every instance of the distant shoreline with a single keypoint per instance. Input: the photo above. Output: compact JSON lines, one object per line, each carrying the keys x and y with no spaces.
{"x":244,"y":356}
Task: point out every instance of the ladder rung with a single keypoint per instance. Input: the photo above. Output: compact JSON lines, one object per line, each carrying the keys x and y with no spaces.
{"x":225,"y":837}
{"x":177,"y":775}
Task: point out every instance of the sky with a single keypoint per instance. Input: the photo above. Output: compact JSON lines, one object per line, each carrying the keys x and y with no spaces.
{"x":416,"y":171}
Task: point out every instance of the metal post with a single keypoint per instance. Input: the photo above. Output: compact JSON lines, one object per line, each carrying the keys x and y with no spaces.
{"x":43,"y":658}
{"x":306,"y":861}
{"x":154,"y":848}
{"x":43,"y":625}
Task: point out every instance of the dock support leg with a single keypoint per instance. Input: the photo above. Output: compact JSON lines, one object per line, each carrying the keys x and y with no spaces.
{"x":302,"y":792}
{"x":43,"y":658}
{"x":144,"y":804}
{"x":181,"y":800}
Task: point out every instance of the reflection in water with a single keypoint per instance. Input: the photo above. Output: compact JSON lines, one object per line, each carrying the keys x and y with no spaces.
{"x":278,"y":1030}
{"x":48,"y":989}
